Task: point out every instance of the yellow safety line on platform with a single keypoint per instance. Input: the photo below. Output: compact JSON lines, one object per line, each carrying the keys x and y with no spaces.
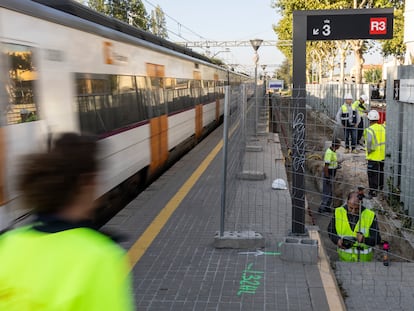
{"x":144,"y":241}
{"x":332,"y":291}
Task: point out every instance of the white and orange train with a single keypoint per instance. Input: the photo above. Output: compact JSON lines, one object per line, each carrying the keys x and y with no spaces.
{"x":64,"y":67}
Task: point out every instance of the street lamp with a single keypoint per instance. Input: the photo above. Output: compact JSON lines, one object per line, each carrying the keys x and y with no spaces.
{"x":256,"y":44}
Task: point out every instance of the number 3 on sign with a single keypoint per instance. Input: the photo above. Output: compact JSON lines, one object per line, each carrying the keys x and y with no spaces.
{"x":326,"y":30}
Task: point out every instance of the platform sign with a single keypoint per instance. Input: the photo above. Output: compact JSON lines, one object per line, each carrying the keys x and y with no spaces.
{"x":275,"y":84}
{"x":350,"y":26}
{"x":316,"y":25}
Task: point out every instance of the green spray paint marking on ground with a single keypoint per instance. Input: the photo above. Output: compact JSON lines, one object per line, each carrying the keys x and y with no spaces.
{"x":259,"y":253}
{"x":249,"y":281}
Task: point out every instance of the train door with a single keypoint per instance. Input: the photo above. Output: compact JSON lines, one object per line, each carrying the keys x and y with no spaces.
{"x":158,"y":117}
{"x":20,"y":128}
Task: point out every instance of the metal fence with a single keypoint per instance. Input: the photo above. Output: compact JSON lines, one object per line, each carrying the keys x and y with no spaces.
{"x":247,"y":157}
{"x":249,"y":167}
{"x":263,"y":137}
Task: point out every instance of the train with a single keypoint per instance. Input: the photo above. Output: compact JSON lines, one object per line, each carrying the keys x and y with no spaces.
{"x":67,"y":68}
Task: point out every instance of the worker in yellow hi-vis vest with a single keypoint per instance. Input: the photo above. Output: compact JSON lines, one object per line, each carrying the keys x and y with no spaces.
{"x":354,"y":230}
{"x":60,"y":262}
{"x":349,"y":118}
{"x":375,"y":138}
{"x":361,"y":106}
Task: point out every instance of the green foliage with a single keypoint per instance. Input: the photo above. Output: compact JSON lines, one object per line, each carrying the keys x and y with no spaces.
{"x":396,"y":46}
{"x":129,"y":11}
{"x":285,"y":73}
{"x":157,"y":23}
{"x":285,"y":8}
{"x":373,"y":75}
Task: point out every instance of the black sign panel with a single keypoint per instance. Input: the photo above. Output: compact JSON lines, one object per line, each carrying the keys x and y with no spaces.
{"x":350,"y":26}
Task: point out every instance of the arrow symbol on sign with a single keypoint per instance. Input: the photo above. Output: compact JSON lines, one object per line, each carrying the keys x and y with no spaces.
{"x":315,"y":31}
{"x":259,"y":253}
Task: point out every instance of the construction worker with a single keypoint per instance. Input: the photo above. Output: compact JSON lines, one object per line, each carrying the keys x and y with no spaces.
{"x":328,"y":175}
{"x":374,"y":137}
{"x":349,"y":118}
{"x":60,"y":262}
{"x":360,"y":105}
{"x":354,"y":230}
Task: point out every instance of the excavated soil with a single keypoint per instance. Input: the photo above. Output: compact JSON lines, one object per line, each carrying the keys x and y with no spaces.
{"x":319,"y":133}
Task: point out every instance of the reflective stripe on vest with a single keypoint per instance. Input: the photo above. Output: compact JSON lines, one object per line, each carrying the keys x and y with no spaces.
{"x":343,"y":228}
{"x":377,"y":132}
{"x":345,"y":115}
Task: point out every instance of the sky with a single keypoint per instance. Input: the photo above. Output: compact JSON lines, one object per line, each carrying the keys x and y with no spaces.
{"x":224,"y":20}
{"x":229,"y":20}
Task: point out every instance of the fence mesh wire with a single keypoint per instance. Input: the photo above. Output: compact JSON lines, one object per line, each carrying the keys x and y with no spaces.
{"x":270,"y":124}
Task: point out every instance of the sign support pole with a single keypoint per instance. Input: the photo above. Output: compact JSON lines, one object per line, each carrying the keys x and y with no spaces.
{"x":299,"y":121}
{"x":323,"y":25}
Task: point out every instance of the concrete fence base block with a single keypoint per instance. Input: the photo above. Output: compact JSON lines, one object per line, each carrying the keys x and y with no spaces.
{"x":254,"y":148}
{"x":262,"y":133}
{"x":239,"y":239}
{"x":300,"y":249}
{"x":251,"y":175}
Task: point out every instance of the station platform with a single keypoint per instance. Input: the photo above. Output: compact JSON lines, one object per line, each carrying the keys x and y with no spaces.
{"x":171,"y":228}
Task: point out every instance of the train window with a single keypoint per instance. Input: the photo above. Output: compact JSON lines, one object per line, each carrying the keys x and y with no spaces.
{"x":109,"y":102}
{"x":20,"y":90}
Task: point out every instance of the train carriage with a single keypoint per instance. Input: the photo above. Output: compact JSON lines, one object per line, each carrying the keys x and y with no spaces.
{"x":64,"y":67}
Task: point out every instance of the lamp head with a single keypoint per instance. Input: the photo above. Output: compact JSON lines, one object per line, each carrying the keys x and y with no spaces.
{"x":256,"y":43}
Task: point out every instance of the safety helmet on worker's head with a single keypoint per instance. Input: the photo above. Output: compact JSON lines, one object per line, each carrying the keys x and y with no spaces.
{"x":373,"y":115}
{"x":348,"y":96}
{"x":364,"y":97}
{"x":279,"y":184}
{"x":336,"y":142}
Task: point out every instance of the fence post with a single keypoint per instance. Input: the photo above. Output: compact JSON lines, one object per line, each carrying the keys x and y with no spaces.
{"x":225,"y":144}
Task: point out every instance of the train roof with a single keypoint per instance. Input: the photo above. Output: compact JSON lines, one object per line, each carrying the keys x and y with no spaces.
{"x":83,"y":12}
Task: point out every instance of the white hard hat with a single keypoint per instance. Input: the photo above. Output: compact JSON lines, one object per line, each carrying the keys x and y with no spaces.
{"x":348,"y":96}
{"x":373,"y":115}
{"x":364,"y":97}
{"x":279,"y":184}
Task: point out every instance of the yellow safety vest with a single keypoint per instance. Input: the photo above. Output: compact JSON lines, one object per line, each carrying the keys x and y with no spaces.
{"x":331,"y":159}
{"x":377,"y":133}
{"x":357,"y":106}
{"x":343,"y":229}
{"x":346,"y":114}
{"x":72,"y":270}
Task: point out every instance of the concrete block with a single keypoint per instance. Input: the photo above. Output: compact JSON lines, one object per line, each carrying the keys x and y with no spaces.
{"x":239,"y":239}
{"x":262,"y":133}
{"x":251,"y":175}
{"x":254,"y":148}
{"x":299,"y":249}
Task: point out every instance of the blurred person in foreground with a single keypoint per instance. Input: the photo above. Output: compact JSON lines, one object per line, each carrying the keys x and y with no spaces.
{"x":375,"y":139}
{"x":59,"y":262}
{"x":354,"y":230}
{"x":328,"y":175}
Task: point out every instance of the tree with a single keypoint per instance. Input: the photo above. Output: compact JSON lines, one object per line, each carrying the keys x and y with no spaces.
{"x":359,"y":47}
{"x":285,"y":73}
{"x":130,"y":11}
{"x":373,"y":75}
{"x":395,"y":46}
{"x":137,"y":15}
{"x":157,"y":23}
